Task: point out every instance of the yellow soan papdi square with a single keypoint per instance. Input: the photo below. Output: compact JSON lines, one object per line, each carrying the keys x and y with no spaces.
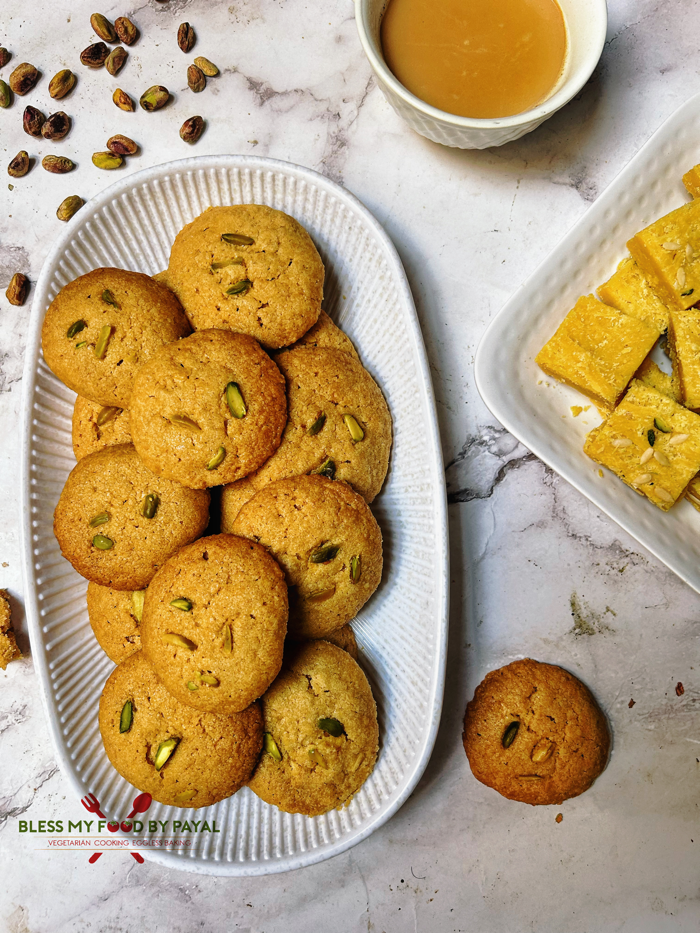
{"x":650,"y":374}
{"x":668,"y":253}
{"x":628,"y":291}
{"x":691,"y":180}
{"x":684,"y":337}
{"x":597,"y":350}
{"x":662,"y":470}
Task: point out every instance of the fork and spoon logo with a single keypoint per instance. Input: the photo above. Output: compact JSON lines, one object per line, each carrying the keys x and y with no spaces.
{"x":141,"y":803}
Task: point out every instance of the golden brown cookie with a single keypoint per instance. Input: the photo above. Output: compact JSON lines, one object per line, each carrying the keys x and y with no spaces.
{"x":535,"y":733}
{"x":117,"y":522}
{"x":214,"y":623}
{"x":115,"y":618}
{"x":328,"y":336}
{"x":102,"y":326}
{"x":96,"y":426}
{"x":233,"y":498}
{"x":328,"y":543}
{"x":250,"y":269}
{"x":321,"y":730}
{"x":344,"y":638}
{"x":8,"y":646}
{"x":209,"y":409}
{"x":181,"y":756}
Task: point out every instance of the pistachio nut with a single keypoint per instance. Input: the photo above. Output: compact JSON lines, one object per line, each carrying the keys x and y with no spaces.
{"x":355,"y":568}
{"x":238,"y":288}
{"x":127,"y":716}
{"x":331,"y":726}
{"x":5,"y":56}
{"x":270,"y":747}
{"x":69,"y":206}
{"x":154,"y":98}
{"x":102,"y":543}
{"x":150,"y":505}
{"x":662,"y":425}
{"x":122,"y":145}
{"x":356,"y":432}
{"x":186,"y":37}
{"x":17,"y":289}
{"x":103,"y":27}
{"x":184,"y":421}
{"x":317,"y":426}
{"x":122,"y":100}
{"x":103,"y":341}
{"x":172,"y":638}
{"x":138,"y":598}
{"x":324,"y":554}
{"x":204,"y":65}
{"x":94,"y":56}
{"x":181,"y":603}
{"x":209,"y":680}
{"x":217,"y":459}
{"x":542,"y":751}
{"x":109,"y":412}
{"x":57,"y":126}
{"x":327,"y":468}
{"x":192,"y":129}
{"x":195,"y":79}
{"x":109,"y":299}
{"x":5,"y":94}
{"x":238,"y":239}
{"x":191,"y":685}
{"x":74,"y":330}
{"x":32,"y":121}
{"x":23,"y":78}
{"x":57,"y":165}
{"x":115,"y":60}
{"x":226,"y":639}
{"x":125,"y":30}
{"x":165,"y":750}
{"x":185,"y":795}
{"x":107,"y":160}
{"x":20,"y":165}
{"x":61,"y":84}
{"x":509,"y":735}
{"x":100,"y":519}
{"x":234,"y":400}
{"x":320,"y":596}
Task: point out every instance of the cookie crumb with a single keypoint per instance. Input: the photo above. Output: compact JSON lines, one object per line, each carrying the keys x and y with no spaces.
{"x":601,"y":474}
{"x":680,"y":689}
{"x":631,"y":704}
{"x":8,"y":646}
{"x":559,"y":817}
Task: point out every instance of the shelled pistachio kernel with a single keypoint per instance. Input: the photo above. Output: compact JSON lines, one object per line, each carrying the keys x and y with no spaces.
{"x":125,"y":30}
{"x":185,"y":795}
{"x":195,"y":79}
{"x":238,"y":239}
{"x":32,"y":121}
{"x":100,"y":519}
{"x":181,"y":603}
{"x":226,"y":639}
{"x":173,"y":638}
{"x":317,"y":426}
{"x":186,"y":37}
{"x":106,"y":160}
{"x":138,"y":598}
{"x":23,"y":78}
{"x":61,"y":84}
{"x":355,"y":568}
{"x":122,"y":145}
{"x":238,"y":288}
{"x":234,"y":400}
{"x":324,"y":554}
{"x":57,"y":165}
{"x":320,"y":596}
{"x":510,"y":734}
{"x":17,"y":289}
{"x":106,"y":414}
{"x":327,"y":468}
{"x":109,"y":299}
{"x":5,"y":94}
{"x":57,"y":126}
{"x":317,"y":758}
{"x":127,"y":716}
{"x":75,"y":328}
{"x":662,"y":425}
{"x":356,"y":432}
{"x":205,"y":66}
{"x":103,"y":341}
{"x":331,"y":726}
{"x":69,"y":206}
{"x":184,"y":421}
{"x":209,"y":679}
{"x":115,"y":60}
{"x":122,"y":100}
{"x":165,"y":750}
{"x":102,"y":543}
{"x":542,"y":751}
{"x":20,"y":165}
{"x":5,"y":56}
{"x":217,"y":459}
{"x":150,"y":505}
{"x":191,"y":130}
{"x":102,"y":26}
{"x":95,"y":55}
{"x":191,"y":685}
{"x":270,"y":747}
{"x":154,"y":98}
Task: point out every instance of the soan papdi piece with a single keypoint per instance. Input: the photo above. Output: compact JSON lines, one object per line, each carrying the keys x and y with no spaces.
{"x":691,"y":180}
{"x":684,"y":339}
{"x":628,"y":291}
{"x":8,"y":646}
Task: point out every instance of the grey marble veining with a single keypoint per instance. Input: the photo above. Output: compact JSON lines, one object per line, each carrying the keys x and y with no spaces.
{"x":536,"y":569}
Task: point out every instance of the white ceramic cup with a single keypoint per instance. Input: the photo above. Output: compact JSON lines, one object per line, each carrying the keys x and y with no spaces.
{"x":586,"y":24}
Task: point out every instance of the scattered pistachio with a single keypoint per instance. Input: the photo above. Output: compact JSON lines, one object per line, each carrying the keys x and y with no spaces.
{"x":61,"y":84}
{"x":510,"y":734}
{"x":102,"y":543}
{"x":651,"y":437}
{"x":5,"y":94}
{"x":57,"y":165}
{"x":204,"y":65}
{"x":195,"y":79}
{"x":192,"y":129}
{"x":5,"y":56}
{"x":165,"y":750}
{"x":355,"y":568}
{"x":317,"y":426}
{"x":689,"y":292}
{"x":661,"y":458}
{"x":32,"y":121}
{"x":79,"y":346}
{"x":209,"y":680}
{"x":125,"y":30}
{"x":324,"y":554}
{"x":57,"y":126}
{"x":94,"y":56}
{"x":332,"y":727}
{"x":127,"y":716}
{"x":103,"y":27}
{"x":75,"y":329}
{"x":20,"y":165}
{"x":320,"y":596}
{"x":356,"y":432}
{"x":172,"y":638}
{"x":103,"y":341}
{"x":181,"y":603}
{"x":122,"y":100}
{"x":185,"y":796}
{"x":234,"y":400}
{"x":317,"y":758}
{"x":662,"y":425}
{"x":184,"y":421}
{"x":137,"y":600}
{"x":122,"y":145}
{"x":226,"y":639}
{"x":239,"y":288}
{"x":217,"y":459}
{"x":23,"y":78}
{"x":107,"y":160}
{"x":17,"y":289}
{"x":69,"y":206}
{"x":270,"y":747}
{"x":150,"y":505}
{"x":154,"y":98}
{"x":542,"y":751}
{"x":225,"y":263}
{"x":115,"y":60}
{"x":186,"y":37}
{"x":191,"y":685}
{"x":238,"y":239}
{"x":100,"y":519}
{"x":327,"y":468}
{"x":109,"y":299}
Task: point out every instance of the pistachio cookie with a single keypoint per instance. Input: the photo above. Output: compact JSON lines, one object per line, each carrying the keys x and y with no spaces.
{"x":321,"y":733}
{"x":117,"y":522}
{"x":328,"y":336}
{"x":180,"y":756}
{"x":96,"y":426}
{"x":208,"y":409}
{"x":214,"y":622}
{"x":115,"y":618}
{"x":102,"y":326}
{"x":342,"y":638}
{"x":535,"y":733}
{"x":328,"y":543}
{"x":250,"y":269}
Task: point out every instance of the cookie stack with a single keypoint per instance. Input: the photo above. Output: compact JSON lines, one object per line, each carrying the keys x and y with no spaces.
{"x":236,"y":663}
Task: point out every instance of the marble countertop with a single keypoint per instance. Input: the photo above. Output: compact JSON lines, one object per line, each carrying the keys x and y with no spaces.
{"x":536,"y":569}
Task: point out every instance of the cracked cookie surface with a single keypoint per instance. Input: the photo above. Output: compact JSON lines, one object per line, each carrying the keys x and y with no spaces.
{"x":96,"y":426}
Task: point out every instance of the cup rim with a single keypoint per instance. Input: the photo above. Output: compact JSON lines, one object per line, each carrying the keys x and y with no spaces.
{"x":570,"y":87}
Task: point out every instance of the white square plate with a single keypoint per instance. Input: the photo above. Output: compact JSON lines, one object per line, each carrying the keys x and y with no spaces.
{"x":536,"y":409}
{"x":402,"y":631}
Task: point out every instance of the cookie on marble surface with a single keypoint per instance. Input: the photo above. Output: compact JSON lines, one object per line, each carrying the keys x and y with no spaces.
{"x":214,"y":623}
{"x":8,"y":645}
{"x":103,"y":326}
{"x":115,"y":618}
{"x":180,"y":756}
{"x":117,"y":522}
{"x":322,"y":736}
{"x":250,"y":269}
{"x":535,"y":733}
{"x":96,"y":426}
{"x":325,"y":538}
{"x":208,"y":409}
{"x":328,"y":336}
